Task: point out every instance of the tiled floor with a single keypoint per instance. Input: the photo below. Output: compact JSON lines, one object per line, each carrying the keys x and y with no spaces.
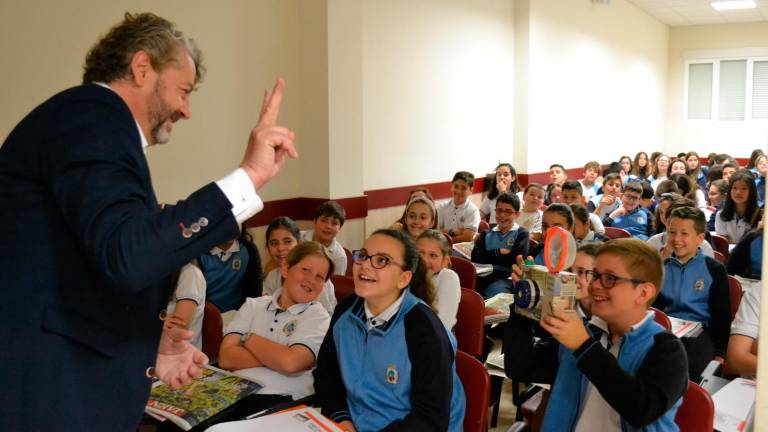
{"x":506,"y":409}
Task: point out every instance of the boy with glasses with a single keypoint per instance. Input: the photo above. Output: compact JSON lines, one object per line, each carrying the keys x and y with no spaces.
{"x":630,"y":215}
{"x":500,"y":246}
{"x":622,"y":371}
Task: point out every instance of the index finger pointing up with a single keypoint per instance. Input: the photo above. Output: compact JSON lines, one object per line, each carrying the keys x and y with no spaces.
{"x":270,"y":108}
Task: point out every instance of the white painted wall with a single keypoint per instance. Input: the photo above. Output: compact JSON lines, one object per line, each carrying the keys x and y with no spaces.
{"x":438,"y":87}
{"x":597,"y":79}
{"x":737,"y":138}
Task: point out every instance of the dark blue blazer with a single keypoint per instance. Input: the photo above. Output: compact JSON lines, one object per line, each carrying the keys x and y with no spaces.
{"x":86,"y":256}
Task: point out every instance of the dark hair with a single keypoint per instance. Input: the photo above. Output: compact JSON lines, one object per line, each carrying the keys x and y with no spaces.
{"x":285,"y":223}
{"x":331,"y":209}
{"x":509,"y":198}
{"x":715,"y":173}
{"x":557,"y":166}
{"x":433,"y":234}
{"x":753,"y":157}
{"x":490,"y":179}
{"x":534,"y":186}
{"x":548,"y":193}
{"x":722,"y":187}
{"x":655,"y":167}
{"x":676,"y":201}
{"x":612,"y":168}
{"x":562,"y":210}
{"x":667,"y":186}
{"x":572,"y":185}
{"x":614,"y":176}
{"x":680,"y":155}
{"x":648,"y":191}
{"x":690,"y":213}
{"x":633,"y":187}
{"x":580,"y":212}
{"x":421,"y":286}
{"x":637,"y":170}
{"x":722,"y":158}
{"x":652,"y":160}
{"x":711,"y":158}
{"x":309,"y":248}
{"x":465,"y":176}
{"x":752,"y":212}
{"x":110,"y":58}
{"x":730,"y":164}
{"x":685,"y":185}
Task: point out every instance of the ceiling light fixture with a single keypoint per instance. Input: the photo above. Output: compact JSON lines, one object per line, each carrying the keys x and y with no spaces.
{"x":733,"y":5}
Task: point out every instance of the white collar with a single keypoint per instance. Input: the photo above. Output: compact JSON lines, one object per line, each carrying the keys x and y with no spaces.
{"x":144,"y":142}
{"x":514,"y":227}
{"x":386,"y":315}
{"x":293,"y":310}
{"x":602,"y":325}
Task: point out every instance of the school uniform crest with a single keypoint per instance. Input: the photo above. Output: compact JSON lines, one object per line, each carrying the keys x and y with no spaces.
{"x":237,"y":264}
{"x":290,"y":327}
{"x":392,"y":374}
{"x":699,"y":284}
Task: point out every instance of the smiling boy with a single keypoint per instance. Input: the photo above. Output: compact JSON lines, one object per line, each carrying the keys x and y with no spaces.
{"x":459,"y":218}
{"x":695,"y":288}
{"x":630,"y":215}
{"x":329,"y":218}
{"x":621,"y":372}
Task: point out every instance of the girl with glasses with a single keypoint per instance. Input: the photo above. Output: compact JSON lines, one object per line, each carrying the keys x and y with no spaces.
{"x":387,"y":361}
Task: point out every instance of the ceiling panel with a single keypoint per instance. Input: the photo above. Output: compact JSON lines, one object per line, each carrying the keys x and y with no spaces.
{"x":699,"y":12}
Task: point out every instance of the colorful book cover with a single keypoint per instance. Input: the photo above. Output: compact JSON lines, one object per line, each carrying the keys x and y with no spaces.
{"x":208,"y":395}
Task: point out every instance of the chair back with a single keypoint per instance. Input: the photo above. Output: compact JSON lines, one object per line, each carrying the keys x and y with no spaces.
{"x":343,"y":286}
{"x":349,"y":262}
{"x":734,"y":286}
{"x":470,"y":323}
{"x":616,"y":233}
{"x":484,"y":226}
{"x":477,"y":387}
{"x":697,"y":412}
{"x":662,"y":318}
{"x":720,"y":258}
{"x":213,"y":331}
{"x":466,"y":271}
{"x":721,"y":245}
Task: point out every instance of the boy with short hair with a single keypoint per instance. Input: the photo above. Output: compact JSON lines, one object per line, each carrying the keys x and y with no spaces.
{"x":695,"y":288}
{"x":631,"y":216}
{"x":589,"y":183}
{"x":572,"y":194}
{"x":608,"y":201}
{"x":557,"y":174}
{"x":459,"y":218}
{"x":623,"y":371}
{"x":329,"y":218}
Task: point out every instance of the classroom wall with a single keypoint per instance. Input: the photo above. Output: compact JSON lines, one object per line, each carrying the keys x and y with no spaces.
{"x":438,"y":86}
{"x":596,"y":82}
{"x":738,"y":138}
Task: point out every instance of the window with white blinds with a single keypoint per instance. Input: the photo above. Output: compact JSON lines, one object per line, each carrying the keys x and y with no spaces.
{"x":760,"y":90}
{"x":733,"y":84}
{"x":700,"y":91}
{"x":732,"y":89}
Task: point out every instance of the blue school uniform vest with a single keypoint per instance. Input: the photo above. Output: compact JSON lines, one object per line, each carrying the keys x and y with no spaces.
{"x":224,"y":279}
{"x":687,"y":287}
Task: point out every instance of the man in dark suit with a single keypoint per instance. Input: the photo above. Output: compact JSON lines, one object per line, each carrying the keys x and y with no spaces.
{"x":86,"y":253}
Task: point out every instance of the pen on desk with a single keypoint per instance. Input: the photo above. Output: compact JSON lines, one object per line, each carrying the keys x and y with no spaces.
{"x":254,"y":415}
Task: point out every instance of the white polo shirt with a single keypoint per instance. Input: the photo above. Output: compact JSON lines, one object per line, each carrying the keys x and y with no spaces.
{"x":274,"y":282}
{"x":191,"y":286}
{"x":301,"y":324}
{"x":450,"y":216}
{"x":747,"y":320}
{"x":734,"y":228}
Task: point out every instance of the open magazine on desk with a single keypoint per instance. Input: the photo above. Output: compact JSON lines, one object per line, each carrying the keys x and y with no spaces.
{"x":298,"y":419}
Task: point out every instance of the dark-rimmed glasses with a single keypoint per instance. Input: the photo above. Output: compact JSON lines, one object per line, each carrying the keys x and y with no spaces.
{"x":608,"y":280}
{"x":378,"y":261}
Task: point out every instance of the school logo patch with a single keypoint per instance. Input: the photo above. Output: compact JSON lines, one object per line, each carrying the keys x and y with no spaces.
{"x":699,"y":285}
{"x":392,"y":374}
{"x":290,"y":327}
{"x":237,"y":263}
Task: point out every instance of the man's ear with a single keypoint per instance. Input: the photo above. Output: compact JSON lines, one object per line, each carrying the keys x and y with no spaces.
{"x":405,"y":279}
{"x":141,"y":68}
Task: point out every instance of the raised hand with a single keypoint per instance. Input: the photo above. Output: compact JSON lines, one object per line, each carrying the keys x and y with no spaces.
{"x":268,"y":144}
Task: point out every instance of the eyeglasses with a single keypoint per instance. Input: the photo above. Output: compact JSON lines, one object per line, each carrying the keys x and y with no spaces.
{"x":378,"y":261}
{"x":630,"y":197}
{"x":608,"y":280}
{"x":505,"y":211}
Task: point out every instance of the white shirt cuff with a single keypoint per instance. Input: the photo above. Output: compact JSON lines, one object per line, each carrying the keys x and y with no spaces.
{"x":239,"y":190}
